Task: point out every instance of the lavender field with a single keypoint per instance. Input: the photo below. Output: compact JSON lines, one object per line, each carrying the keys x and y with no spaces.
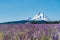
{"x":29,"y":31}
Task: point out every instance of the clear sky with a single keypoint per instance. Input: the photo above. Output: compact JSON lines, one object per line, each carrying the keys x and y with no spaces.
{"x":11,"y":10}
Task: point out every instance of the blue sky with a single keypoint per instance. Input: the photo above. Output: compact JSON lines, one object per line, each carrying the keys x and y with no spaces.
{"x":11,"y":10}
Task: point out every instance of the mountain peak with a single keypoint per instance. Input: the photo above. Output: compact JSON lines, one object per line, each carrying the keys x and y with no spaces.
{"x":39,"y":16}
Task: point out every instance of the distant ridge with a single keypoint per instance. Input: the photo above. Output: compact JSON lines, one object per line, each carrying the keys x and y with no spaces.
{"x":32,"y":22}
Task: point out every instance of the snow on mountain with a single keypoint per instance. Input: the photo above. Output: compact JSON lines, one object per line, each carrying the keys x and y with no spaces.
{"x":40,"y":16}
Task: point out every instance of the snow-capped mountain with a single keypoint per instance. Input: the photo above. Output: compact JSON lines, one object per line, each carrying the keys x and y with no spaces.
{"x":39,"y":16}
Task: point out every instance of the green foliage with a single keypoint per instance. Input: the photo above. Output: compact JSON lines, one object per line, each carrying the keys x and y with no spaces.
{"x":1,"y":35}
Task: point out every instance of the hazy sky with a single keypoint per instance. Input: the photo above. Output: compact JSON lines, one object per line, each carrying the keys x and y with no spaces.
{"x":11,"y":10}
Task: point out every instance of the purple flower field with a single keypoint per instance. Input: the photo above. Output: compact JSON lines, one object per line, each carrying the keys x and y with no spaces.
{"x":29,"y":31}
